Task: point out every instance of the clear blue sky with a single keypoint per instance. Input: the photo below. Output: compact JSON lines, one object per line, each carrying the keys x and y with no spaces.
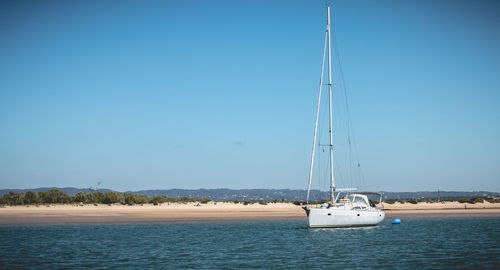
{"x":209,"y":94}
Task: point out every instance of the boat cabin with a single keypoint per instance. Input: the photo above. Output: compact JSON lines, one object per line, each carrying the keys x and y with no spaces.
{"x":358,"y":201}
{"x":353,"y":201}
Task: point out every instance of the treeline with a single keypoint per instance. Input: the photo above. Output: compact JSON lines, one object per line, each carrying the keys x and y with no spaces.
{"x":55,"y":196}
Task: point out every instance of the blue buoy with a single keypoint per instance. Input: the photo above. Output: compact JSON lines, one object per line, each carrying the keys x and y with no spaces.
{"x":396,"y":221}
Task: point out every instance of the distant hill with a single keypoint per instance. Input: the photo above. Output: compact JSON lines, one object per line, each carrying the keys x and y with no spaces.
{"x":434,"y":194}
{"x":223,"y":194}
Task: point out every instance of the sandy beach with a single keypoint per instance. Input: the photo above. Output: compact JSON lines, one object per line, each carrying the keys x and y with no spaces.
{"x":441,"y":209}
{"x":104,"y":214}
{"x":173,"y":212}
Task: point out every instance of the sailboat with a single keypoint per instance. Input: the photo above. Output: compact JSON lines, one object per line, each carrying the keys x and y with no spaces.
{"x":353,"y":210}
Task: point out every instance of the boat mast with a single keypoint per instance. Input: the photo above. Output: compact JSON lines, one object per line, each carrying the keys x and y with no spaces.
{"x":332,"y":185}
{"x":332,"y":180}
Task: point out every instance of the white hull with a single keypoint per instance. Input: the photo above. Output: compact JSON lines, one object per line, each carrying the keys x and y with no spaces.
{"x":339,"y":217}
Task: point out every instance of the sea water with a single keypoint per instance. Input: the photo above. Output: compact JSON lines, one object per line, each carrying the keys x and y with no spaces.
{"x":414,"y":244}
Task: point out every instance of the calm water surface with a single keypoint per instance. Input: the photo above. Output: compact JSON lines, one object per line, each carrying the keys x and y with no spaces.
{"x":415,"y":244}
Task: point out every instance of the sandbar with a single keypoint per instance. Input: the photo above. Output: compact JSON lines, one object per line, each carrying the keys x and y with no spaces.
{"x":216,"y":212}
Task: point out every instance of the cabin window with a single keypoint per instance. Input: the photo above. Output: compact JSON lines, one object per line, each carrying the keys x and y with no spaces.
{"x":359,"y":200}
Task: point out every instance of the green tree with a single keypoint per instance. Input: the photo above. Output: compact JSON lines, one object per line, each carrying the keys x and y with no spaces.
{"x":129,"y":198}
{"x":112,"y":197}
{"x":81,"y":197}
{"x":95,"y":197}
{"x":159,"y":199}
{"x":141,"y":199}
{"x":30,"y":197}
{"x":13,"y":198}
{"x":464,"y":200}
{"x":54,"y":196}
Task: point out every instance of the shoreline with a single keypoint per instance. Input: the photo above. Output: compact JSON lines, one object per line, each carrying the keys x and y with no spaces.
{"x":216,"y":212}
